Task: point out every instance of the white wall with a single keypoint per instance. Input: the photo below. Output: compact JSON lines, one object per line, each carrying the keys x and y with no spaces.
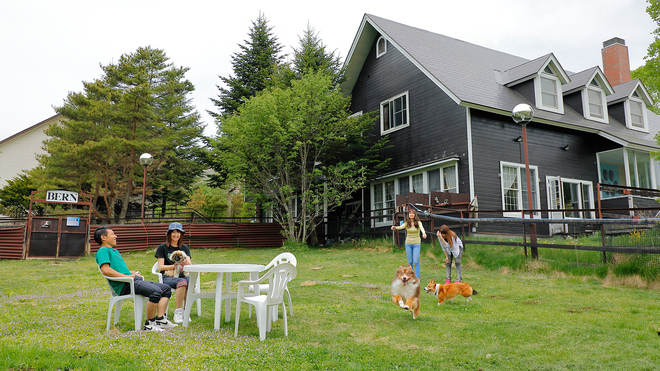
{"x":18,"y":153}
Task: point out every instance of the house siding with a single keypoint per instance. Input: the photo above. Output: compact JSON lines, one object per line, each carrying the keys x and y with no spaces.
{"x":437,"y":124}
{"x":618,"y":112}
{"x":574,"y":101}
{"x":493,"y":142}
{"x":526,"y":89}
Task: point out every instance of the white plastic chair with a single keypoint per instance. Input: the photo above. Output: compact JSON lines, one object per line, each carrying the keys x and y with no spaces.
{"x":285,"y":257}
{"x":140,"y":302}
{"x":154,"y":270}
{"x":278,"y":278}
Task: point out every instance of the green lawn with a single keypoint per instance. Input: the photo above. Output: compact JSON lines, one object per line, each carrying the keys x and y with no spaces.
{"x":54,"y":316}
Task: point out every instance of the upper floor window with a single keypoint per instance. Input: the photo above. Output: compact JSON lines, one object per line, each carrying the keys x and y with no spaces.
{"x":394,"y":113}
{"x":381,"y":47}
{"x":595,"y":105}
{"x":636,"y":113}
{"x":548,"y":91}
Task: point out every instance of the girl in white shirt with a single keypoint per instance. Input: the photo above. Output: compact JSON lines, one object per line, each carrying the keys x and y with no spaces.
{"x":453,"y":248}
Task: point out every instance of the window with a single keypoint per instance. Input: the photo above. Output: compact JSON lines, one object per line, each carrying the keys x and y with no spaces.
{"x":547,"y":87}
{"x":381,"y":47}
{"x":514,"y":189}
{"x":383,"y":201}
{"x":394,"y":113}
{"x":441,"y":178}
{"x":549,"y":93}
{"x":449,"y":180}
{"x":595,"y":106}
{"x":636,"y":114}
{"x":570,"y":194}
{"x":627,"y":168}
{"x":418,"y":183}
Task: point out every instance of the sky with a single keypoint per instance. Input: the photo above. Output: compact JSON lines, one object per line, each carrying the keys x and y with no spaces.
{"x":48,"y":48}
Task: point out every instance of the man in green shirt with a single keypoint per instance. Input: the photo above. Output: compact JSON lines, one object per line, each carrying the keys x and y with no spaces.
{"x":112,"y":265}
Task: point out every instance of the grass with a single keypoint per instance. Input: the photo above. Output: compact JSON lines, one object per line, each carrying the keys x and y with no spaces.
{"x":527,"y":316}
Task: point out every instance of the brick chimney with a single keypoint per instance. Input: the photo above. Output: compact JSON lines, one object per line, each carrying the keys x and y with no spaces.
{"x":616,"y":64}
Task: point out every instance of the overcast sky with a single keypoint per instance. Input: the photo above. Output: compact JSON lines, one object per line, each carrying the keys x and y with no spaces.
{"x":48,"y":48}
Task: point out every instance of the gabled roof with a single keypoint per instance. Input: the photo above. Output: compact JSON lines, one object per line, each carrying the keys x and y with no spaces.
{"x":41,"y":125}
{"x":625,"y":90}
{"x":582,"y":79}
{"x":532,"y":68}
{"x":472,"y":76}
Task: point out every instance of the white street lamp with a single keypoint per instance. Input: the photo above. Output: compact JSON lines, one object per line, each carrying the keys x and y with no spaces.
{"x":145,"y":160}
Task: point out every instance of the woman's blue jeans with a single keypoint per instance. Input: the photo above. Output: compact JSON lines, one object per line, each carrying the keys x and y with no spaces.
{"x":413,"y":251}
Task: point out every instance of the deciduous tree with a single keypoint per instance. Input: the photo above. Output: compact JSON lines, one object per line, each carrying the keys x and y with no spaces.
{"x":649,"y":73}
{"x":295,"y":149}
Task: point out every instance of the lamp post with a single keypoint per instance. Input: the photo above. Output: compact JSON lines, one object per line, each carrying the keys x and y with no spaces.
{"x":145,"y":160}
{"x":522,"y":114}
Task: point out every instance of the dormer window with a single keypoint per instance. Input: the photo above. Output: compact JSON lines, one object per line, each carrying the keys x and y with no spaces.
{"x":548,"y":90}
{"x":636,"y":112}
{"x":381,"y":47}
{"x":595,"y":105}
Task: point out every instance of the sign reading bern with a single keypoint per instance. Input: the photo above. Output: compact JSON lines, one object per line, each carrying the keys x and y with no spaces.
{"x":62,"y":196}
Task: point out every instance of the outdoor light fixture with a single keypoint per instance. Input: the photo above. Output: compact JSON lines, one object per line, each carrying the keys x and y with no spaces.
{"x":146,"y":160}
{"x":519,"y":139}
{"x":522,"y":114}
{"x":566,"y":147}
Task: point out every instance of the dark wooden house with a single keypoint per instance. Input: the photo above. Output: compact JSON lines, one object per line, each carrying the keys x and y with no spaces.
{"x":446,"y":104}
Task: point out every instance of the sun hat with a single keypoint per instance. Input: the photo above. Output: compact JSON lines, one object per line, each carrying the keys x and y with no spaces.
{"x":175,"y":226}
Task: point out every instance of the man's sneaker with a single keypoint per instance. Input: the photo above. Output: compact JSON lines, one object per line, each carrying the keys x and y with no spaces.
{"x":164,"y":323}
{"x":150,"y":325}
{"x":178,"y":315}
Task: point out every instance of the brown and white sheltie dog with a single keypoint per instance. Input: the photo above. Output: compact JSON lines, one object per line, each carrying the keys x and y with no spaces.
{"x":450,"y":291}
{"x":406,"y":289}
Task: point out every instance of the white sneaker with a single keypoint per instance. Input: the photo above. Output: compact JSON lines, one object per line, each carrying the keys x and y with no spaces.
{"x":152,"y":326}
{"x":164,"y":323}
{"x":178,"y":315}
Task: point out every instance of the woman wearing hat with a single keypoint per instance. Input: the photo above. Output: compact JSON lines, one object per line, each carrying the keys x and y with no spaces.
{"x":163,"y":253}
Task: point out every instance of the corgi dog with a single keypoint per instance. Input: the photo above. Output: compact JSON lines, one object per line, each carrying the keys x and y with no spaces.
{"x":450,"y":291}
{"x":406,"y":289}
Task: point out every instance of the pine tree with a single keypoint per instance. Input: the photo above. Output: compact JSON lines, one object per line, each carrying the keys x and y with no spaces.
{"x":253,"y":67}
{"x":139,"y":105}
{"x":312,"y":56}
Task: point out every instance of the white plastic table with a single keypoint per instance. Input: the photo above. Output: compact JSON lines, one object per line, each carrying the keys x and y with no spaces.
{"x":219,"y":295}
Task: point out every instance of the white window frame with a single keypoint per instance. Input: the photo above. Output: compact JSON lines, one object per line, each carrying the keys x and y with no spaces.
{"x":587,"y":104}
{"x":384,"y":203}
{"x":628,"y":110}
{"x":384,"y":131}
{"x":538,"y":90}
{"x":379,"y":52}
{"x":521,"y":173}
{"x":552,"y":205}
{"x":410,"y":174}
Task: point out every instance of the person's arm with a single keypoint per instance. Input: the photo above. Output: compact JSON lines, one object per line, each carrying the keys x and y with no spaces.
{"x":188,"y":260}
{"x":421,"y":228}
{"x":164,"y":267}
{"x":108,"y":271}
{"x":443,"y":243}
